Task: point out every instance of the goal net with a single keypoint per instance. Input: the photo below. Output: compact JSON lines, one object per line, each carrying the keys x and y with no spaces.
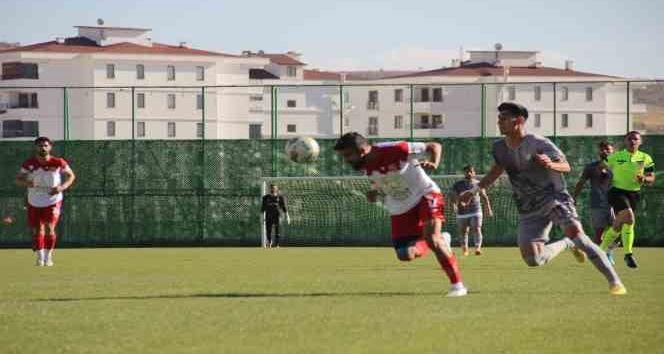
{"x":333,"y":211}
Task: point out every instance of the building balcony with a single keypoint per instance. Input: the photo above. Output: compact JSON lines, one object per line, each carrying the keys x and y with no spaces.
{"x":372,"y":105}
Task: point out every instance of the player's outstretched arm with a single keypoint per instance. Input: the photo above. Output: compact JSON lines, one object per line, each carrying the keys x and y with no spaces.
{"x":486,"y":202}
{"x":435,"y":154}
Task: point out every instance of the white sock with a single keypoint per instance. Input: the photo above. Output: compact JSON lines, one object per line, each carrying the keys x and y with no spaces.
{"x":458,"y":285}
{"x":40,"y":254}
{"x":49,"y":254}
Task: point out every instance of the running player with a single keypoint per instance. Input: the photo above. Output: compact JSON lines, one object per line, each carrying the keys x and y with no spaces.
{"x":414,"y":200}
{"x":41,"y":175}
{"x":535,"y":166}
{"x":469,"y":215}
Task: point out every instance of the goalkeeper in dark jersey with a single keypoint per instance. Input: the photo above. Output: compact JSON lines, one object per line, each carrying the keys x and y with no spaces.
{"x":274,"y":204}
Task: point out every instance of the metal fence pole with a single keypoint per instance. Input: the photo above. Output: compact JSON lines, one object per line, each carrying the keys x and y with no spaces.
{"x":412,"y":112}
{"x":201,"y":188}
{"x":273,"y":122}
{"x":628,"y":103}
{"x":341,"y":110}
{"x":555,"y":109}
{"x":133,"y":164}
{"x":483,"y":105}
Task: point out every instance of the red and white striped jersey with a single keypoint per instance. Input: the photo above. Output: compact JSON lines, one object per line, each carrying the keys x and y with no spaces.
{"x":45,"y":176}
{"x":396,"y":172}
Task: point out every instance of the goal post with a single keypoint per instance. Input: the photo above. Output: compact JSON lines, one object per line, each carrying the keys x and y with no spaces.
{"x":333,"y":211}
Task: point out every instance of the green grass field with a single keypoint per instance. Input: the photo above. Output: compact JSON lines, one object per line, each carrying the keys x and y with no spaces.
{"x":321,"y":300}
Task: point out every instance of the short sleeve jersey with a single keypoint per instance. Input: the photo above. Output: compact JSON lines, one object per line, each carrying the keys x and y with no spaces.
{"x":473,"y":207}
{"x":625,"y":166}
{"x":396,"y":172}
{"x":600,"y":182}
{"x":533,"y":186}
{"x":45,"y":176}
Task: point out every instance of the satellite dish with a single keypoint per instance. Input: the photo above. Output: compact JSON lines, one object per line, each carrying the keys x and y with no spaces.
{"x":498,"y":46}
{"x":100,"y":22}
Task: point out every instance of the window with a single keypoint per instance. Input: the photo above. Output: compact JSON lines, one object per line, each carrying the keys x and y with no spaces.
{"x":565,"y":94}
{"x":140,"y":129}
{"x":291,"y":71}
{"x":589,"y":120}
{"x":110,"y":100}
{"x":398,"y":122}
{"x":170,"y":73}
{"x":538,"y":120}
{"x":200,"y":73}
{"x":171,"y":129}
{"x":171,"y":101}
{"x":424,"y":94}
{"x":589,"y":94}
{"x":511,"y":93}
{"x":346,"y":122}
{"x":27,"y":100}
{"x":437,"y":121}
{"x":346,"y":97}
{"x":16,"y":70}
{"x":424,"y":121}
{"x":538,"y":93}
{"x":564,"y":122}
{"x":373,"y":126}
{"x":19,"y":128}
{"x":110,"y":71}
{"x":398,"y":95}
{"x":140,"y":72}
{"x":291,"y":103}
{"x":291,"y":128}
{"x":373,"y":100}
{"x":199,"y":101}
{"x":255,"y":131}
{"x":140,"y":100}
{"x":199,"y":130}
{"x":110,"y":129}
{"x":438,"y":94}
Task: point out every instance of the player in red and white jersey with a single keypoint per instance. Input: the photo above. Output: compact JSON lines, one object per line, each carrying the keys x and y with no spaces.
{"x":41,"y":174}
{"x":415,"y":203}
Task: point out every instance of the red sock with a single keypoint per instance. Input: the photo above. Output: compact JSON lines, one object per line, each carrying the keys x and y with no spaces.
{"x":50,"y":242}
{"x":37,"y":242}
{"x":422,"y":248}
{"x":451,"y":268}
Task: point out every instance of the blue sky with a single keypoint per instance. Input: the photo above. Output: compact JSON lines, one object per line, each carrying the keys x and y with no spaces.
{"x":623,"y":38}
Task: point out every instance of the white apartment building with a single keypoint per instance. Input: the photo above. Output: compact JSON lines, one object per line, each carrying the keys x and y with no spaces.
{"x":99,"y":67}
{"x":449,"y":102}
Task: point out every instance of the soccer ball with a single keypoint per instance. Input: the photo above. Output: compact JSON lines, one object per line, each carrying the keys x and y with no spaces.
{"x":302,"y":150}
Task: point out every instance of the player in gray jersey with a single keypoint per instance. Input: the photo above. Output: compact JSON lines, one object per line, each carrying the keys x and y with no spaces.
{"x":469,"y":215}
{"x":535,"y":166}
{"x":601,"y":213}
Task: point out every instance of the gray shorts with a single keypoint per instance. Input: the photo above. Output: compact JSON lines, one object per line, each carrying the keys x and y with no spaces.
{"x":601,"y":217}
{"x":473,"y":222}
{"x":536,"y":228}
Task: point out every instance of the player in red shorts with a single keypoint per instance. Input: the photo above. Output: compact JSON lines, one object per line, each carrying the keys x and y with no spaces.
{"x":414,"y":201}
{"x":42,"y":175}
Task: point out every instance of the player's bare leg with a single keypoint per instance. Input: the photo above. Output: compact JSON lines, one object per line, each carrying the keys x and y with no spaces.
{"x":444,"y":255}
{"x":596,"y":256}
{"x":477,"y":232}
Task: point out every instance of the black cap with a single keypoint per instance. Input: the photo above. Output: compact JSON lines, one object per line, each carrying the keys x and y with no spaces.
{"x":514,"y":109}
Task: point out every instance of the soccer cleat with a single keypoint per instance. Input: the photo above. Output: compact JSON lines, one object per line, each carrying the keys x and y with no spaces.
{"x":464,"y":251}
{"x":609,"y":255}
{"x":617,"y":289}
{"x":457,"y":292}
{"x":478,"y":252}
{"x":630,"y":261}
{"x":579,"y":255}
{"x":48,"y":262}
{"x":40,"y":262}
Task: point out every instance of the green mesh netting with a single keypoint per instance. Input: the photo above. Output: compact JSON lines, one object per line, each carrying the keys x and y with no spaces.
{"x":147,"y":192}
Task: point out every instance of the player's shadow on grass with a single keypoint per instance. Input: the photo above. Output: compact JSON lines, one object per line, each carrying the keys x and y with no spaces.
{"x":244,"y":295}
